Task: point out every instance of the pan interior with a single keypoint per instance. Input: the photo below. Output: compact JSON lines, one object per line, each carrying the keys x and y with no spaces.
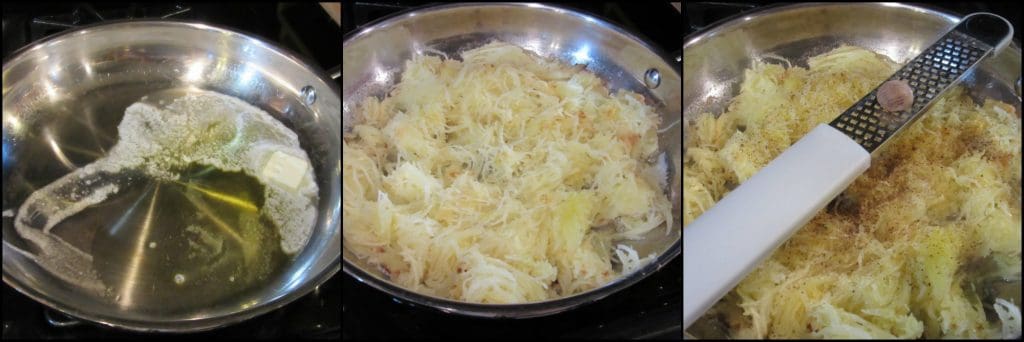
{"x":160,"y":244}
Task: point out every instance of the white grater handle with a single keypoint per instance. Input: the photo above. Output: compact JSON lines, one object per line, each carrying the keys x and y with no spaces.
{"x":729,"y":240}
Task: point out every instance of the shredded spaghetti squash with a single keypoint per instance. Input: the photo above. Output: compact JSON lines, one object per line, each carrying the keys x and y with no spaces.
{"x":906,"y":250}
{"x":501,"y":178}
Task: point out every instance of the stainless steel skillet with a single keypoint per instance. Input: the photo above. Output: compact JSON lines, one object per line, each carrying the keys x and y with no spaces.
{"x":62,"y":100}
{"x":374,"y":56}
{"x":714,"y":60}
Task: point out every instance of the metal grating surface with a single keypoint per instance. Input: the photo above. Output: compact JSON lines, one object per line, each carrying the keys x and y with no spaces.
{"x":929,"y":74}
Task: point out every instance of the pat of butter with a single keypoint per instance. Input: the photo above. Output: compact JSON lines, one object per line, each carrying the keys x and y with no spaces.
{"x":285,"y":169}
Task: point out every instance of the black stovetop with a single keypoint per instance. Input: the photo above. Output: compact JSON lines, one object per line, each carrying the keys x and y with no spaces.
{"x":303,"y":28}
{"x":648,"y":309}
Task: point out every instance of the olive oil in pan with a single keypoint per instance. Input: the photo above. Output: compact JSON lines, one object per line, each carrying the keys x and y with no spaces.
{"x":202,"y":198}
{"x":181,"y":244}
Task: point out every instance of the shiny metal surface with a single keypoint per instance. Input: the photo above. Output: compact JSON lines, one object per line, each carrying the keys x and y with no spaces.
{"x":62,"y":100}
{"x":714,"y":60}
{"x":374,"y":58}
{"x":938,"y":69}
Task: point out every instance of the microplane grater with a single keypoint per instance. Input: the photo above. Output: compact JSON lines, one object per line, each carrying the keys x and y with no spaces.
{"x":730,"y":239}
{"x":929,"y":75}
